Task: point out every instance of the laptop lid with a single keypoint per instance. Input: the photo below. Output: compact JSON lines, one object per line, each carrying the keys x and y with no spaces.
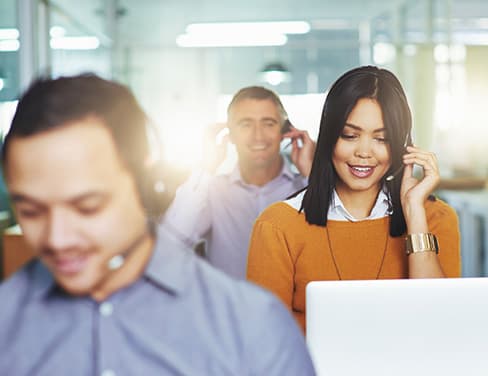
{"x":399,"y":327}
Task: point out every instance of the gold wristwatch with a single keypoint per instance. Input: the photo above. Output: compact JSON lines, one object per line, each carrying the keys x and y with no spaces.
{"x":423,"y":242}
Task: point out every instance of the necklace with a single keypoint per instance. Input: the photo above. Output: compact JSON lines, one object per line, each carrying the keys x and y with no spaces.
{"x":335,"y":263}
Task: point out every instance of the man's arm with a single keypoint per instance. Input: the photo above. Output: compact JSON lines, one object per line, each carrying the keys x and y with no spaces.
{"x":188,"y":216}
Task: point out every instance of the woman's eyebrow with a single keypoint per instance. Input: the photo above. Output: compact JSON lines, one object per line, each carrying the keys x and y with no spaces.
{"x":358,"y":128}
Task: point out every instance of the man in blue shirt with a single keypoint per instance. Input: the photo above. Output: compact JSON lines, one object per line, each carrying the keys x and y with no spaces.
{"x":108,"y":295}
{"x":221,"y":209}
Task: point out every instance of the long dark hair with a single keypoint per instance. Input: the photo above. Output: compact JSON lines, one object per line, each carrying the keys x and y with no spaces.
{"x":363,"y":82}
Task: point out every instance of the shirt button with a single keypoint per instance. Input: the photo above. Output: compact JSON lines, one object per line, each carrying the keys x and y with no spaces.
{"x":108,"y":372}
{"x":106,"y":309}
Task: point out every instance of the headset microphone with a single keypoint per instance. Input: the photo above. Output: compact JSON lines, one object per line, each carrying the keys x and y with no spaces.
{"x":395,"y":174}
{"x":117,"y":261}
{"x":391,"y":177}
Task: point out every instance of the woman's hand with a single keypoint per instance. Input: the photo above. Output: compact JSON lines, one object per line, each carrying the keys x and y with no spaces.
{"x":414,"y":192}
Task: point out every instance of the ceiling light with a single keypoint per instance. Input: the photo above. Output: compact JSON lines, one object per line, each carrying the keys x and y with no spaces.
{"x":240,"y":34}
{"x":275,"y":74}
{"x":9,"y":34}
{"x":2,"y":83}
{"x":219,"y":28}
{"x":230,"y":40}
{"x":9,"y":45}
{"x":57,"y":32}
{"x":75,"y":43}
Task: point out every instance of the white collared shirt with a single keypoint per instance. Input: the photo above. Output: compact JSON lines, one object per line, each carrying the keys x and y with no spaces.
{"x":338,"y":212}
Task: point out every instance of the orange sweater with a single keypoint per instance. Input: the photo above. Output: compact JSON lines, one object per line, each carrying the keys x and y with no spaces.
{"x":285,"y":252}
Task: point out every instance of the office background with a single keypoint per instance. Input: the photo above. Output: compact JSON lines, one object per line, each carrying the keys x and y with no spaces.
{"x":183,"y":65}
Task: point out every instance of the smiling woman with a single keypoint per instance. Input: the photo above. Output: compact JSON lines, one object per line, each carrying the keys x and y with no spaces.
{"x":351,"y":221}
{"x":361,"y":156}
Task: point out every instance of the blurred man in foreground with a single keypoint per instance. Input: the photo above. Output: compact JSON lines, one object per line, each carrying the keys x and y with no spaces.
{"x":107,"y":295}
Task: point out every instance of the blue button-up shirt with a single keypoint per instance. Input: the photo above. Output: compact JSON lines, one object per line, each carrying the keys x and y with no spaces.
{"x":222,"y":210}
{"x":181,"y":317}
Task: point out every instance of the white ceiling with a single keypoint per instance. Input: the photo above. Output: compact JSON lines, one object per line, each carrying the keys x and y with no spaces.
{"x":158,"y":22}
{"x":153,"y":25}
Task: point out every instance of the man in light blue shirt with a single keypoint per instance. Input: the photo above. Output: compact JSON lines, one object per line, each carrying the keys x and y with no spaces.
{"x":221,"y":209}
{"x":107,"y":295}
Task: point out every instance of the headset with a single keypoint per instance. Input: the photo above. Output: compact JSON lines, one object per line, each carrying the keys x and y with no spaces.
{"x":151,"y":176}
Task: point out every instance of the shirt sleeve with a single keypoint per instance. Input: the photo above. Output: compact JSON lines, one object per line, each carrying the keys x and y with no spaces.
{"x":278,"y":346}
{"x":269,"y":262}
{"x":188,"y":216}
{"x":444,"y":225}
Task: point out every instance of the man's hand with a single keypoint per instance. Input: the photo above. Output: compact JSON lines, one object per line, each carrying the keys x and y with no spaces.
{"x":214,"y":150}
{"x":301,"y":155}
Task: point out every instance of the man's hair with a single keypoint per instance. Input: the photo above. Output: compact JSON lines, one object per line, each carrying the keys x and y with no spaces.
{"x":53,"y":103}
{"x":364,"y":82}
{"x":258,"y":93}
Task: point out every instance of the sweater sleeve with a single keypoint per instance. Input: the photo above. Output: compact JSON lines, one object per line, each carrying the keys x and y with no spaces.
{"x":443,"y":223}
{"x":269,"y":263}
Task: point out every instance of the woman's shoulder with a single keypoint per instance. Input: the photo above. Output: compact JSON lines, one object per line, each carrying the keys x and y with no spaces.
{"x":283,"y":212}
{"x":437,"y":208}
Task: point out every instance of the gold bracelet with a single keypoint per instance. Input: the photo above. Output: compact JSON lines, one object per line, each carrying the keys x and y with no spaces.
{"x":423,"y":242}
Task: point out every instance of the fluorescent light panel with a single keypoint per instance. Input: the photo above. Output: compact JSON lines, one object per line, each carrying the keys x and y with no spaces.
{"x":9,"y":45}
{"x":219,"y":28}
{"x":75,"y":43}
{"x":9,"y":34}
{"x":9,"y":40}
{"x":240,"y":34}
{"x":230,"y":40}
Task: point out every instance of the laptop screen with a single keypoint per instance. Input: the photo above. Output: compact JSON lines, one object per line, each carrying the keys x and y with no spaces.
{"x":399,"y":327}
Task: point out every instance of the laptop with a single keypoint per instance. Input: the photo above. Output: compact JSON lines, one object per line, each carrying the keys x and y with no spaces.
{"x":399,"y":327}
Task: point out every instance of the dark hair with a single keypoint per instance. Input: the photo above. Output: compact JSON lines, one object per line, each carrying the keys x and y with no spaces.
{"x":258,"y":93}
{"x":52,"y":103}
{"x":363,"y":82}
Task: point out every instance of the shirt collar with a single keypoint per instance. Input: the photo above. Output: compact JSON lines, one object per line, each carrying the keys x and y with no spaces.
{"x":171,"y":263}
{"x":168,"y":267}
{"x":286,"y":170}
{"x":380,"y":209}
{"x":43,"y":280}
